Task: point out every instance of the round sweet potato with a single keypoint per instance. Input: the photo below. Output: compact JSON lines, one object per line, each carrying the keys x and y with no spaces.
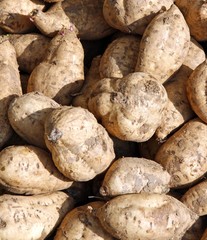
{"x":130,"y":108}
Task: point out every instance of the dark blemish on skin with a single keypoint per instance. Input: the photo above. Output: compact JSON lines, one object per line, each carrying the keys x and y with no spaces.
{"x":2,"y":223}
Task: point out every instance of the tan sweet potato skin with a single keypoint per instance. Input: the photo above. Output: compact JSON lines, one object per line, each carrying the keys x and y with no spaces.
{"x":81,"y":148}
{"x":119,"y":58}
{"x":195,"y":16}
{"x":10,"y":87}
{"x":196,"y":198}
{"x":133,"y":16}
{"x":92,"y":76}
{"x":32,"y":217}
{"x":146,"y":217}
{"x":90,"y":26}
{"x":129,"y":108}
{"x":24,"y":169}
{"x":183,"y":155}
{"x":178,"y":110}
{"x":81,"y":223}
{"x":196,"y":90}
{"x":168,"y":37}
{"x":61,"y":73}
{"x":14,"y":15}
{"x":27,"y":115}
{"x":135,"y":175}
{"x":30,"y":49}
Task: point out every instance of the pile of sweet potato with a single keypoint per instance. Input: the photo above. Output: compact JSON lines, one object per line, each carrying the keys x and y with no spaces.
{"x":103,"y":119}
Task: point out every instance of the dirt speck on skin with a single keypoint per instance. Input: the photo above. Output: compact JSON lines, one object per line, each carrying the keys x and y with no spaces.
{"x":2,"y":223}
{"x":55,"y":135}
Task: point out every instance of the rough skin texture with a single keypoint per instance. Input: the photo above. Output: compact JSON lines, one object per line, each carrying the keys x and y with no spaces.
{"x":27,"y":115}
{"x":130,"y":108}
{"x":85,"y":17}
{"x":196,"y":55}
{"x":92,"y":76}
{"x":61,"y":73}
{"x":24,"y":169}
{"x":30,"y":49}
{"x":145,"y":217}
{"x":135,"y":175}
{"x":120,"y":56}
{"x":133,"y":16}
{"x":32,"y":217}
{"x":80,"y":147}
{"x":80,"y":223}
{"x":183,"y":155}
{"x":178,"y":110}
{"x":167,"y":37}
{"x":196,"y":90}
{"x":14,"y":15}
{"x":196,"y":198}
{"x":195,"y":16}
{"x":10,"y":87}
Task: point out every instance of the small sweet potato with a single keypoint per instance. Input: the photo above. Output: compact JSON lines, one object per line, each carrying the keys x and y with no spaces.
{"x":80,"y":223}
{"x":119,"y":58}
{"x":135,"y":175}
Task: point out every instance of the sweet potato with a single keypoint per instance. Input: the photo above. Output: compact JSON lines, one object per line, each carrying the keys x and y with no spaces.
{"x":135,"y":175}
{"x":32,"y":217}
{"x":196,"y":198}
{"x":167,"y":36}
{"x":195,"y":16}
{"x":130,"y":108}
{"x":196,"y":90}
{"x":178,"y":110}
{"x":14,"y":15}
{"x":61,"y":73}
{"x":183,"y":155}
{"x":10,"y":87}
{"x":146,"y":216}
{"x":85,"y":17}
{"x":119,"y":58}
{"x":81,"y":148}
{"x":27,"y":115}
{"x":23,"y":169}
{"x":133,"y":16}
{"x":80,"y":223}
